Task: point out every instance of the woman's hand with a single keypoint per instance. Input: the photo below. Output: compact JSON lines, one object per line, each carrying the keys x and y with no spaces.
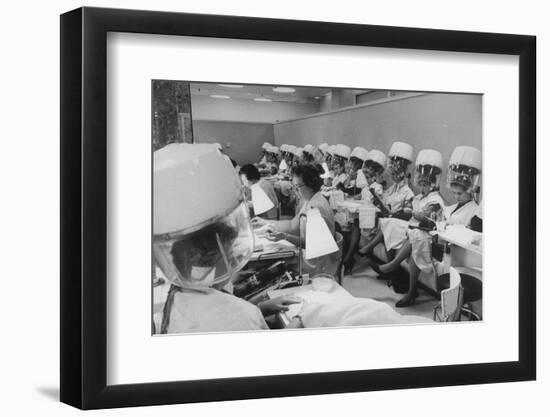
{"x":419,"y":215}
{"x":258,"y":222}
{"x":307,"y":313}
{"x":275,"y":236}
{"x":278,"y":304}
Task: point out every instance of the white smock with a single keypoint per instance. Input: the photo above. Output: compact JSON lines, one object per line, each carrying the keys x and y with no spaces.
{"x":395,"y":231}
{"x":339,"y":179}
{"x":210,"y":310}
{"x":367,"y":196}
{"x":462,"y":215}
{"x":421,"y":241}
{"x":397,"y":194}
{"x":354,"y":311}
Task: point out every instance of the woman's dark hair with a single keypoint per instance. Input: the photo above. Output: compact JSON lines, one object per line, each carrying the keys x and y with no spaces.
{"x":310,"y":175}
{"x":430,"y":172}
{"x":357,"y":162}
{"x":374,"y":166}
{"x":429,"y":169}
{"x":250,"y":172}
{"x":463,"y":187}
{"x":337,"y":159}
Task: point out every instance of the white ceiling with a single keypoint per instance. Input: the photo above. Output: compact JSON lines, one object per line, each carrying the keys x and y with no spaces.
{"x":309,"y":95}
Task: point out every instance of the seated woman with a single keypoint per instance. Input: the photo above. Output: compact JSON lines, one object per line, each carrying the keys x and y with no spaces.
{"x":340,"y":155}
{"x":339,"y":173}
{"x":329,"y":175}
{"x":285,"y":161}
{"x":354,"y":164}
{"x":463,"y":179}
{"x":250,"y":176}
{"x":283,"y":186}
{"x":271,"y":166}
{"x":372,"y":170}
{"x":263,"y":158}
{"x":427,"y":205}
{"x":352,"y":187}
{"x":200,"y":242}
{"x":397,"y":199}
{"x":307,"y":184}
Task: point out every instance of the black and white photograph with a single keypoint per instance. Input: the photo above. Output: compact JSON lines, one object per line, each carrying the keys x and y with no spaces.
{"x":300,"y":207}
{"x":275,"y":209}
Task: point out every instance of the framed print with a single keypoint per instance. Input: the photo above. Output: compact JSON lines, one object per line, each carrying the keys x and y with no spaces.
{"x":258,"y":208}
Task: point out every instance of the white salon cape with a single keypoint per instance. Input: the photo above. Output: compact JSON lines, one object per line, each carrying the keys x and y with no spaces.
{"x":210,"y":310}
{"x":354,"y":311}
{"x":328,"y":263}
{"x":395,"y":231}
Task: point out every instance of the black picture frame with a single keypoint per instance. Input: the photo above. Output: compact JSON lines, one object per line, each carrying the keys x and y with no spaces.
{"x":84,"y":207}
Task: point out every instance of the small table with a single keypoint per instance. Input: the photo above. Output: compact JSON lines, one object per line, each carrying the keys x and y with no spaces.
{"x":266,"y":250}
{"x":463,"y":252}
{"x":466,"y":258}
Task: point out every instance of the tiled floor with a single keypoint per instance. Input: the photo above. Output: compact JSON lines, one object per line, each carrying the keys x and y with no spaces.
{"x":363,"y":283}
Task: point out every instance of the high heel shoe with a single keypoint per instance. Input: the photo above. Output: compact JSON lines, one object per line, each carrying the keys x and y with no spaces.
{"x":348,"y":266}
{"x":381,"y":275}
{"x":405,"y":302}
{"x":376,"y":269}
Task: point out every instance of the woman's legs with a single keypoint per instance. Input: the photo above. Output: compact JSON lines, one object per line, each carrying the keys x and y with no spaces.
{"x":345,"y":240}
{"x":401,"y":255}
{"x":411,"y":295}
{"x":368,"y":248}
{"x":354,"y":236}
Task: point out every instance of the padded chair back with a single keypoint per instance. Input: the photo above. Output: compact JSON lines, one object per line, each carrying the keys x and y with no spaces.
{"x":451,"y":298}
{"x":327,"y":264}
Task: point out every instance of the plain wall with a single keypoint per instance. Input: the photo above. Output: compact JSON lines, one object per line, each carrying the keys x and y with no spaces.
{"x":428,"y":121}
{"x":337,"y":98}
{"x":240,"y":110}
{"x":31,"y":380}
{"x":240,"y":141}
